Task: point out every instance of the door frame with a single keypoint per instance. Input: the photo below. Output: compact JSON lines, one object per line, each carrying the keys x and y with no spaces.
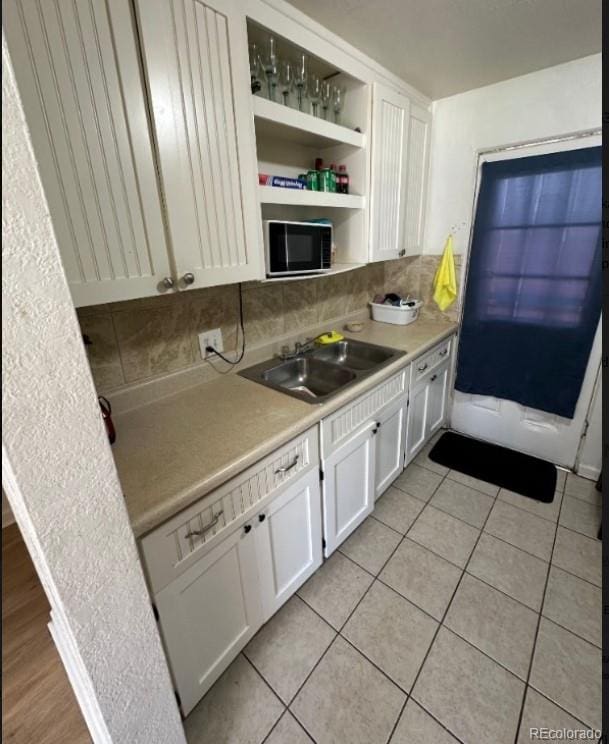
{"x":569,"y":141}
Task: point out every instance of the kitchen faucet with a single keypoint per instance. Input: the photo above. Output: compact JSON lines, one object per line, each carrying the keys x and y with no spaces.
{"x":299,"y":348}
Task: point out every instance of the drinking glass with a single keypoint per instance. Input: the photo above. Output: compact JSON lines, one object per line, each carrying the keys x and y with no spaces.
{"x":270,"y":66}
{"x":286,"y":80}
{"x":338,"y":101}
{"x":326,"y":97}
{"x":300,"y":79}
{"x":315,"y":93}
{"x":255,"y":68}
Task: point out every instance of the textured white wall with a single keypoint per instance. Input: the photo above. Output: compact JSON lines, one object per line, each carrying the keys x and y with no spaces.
{"x":58,"y":470}
{"x":555,"y":101}
{"x":7,"y":514}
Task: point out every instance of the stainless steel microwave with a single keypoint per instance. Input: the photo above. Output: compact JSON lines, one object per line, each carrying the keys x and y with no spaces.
{"x":297,"y":247}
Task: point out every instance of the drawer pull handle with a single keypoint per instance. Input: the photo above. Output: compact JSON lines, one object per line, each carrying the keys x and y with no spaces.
{"x":247,"y":528}
{"x":435,"y":377}
{"x":288,"y":467}
{"x":422,"y":368}
{"x":444,"y":352}
{"x":261,"y":517}
{"x":377,"y":426}
{"x":203,"y":530}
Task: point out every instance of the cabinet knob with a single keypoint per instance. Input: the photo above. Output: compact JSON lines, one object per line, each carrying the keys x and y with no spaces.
{"x":168,"y":282}
{"x":247,"y":528}
{"x":402,"y":252}
{"x":261,"y":517}
{"x":188,"y":278}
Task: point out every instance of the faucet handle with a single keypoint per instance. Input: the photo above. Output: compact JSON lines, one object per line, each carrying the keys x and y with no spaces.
{"x":285,"y":352}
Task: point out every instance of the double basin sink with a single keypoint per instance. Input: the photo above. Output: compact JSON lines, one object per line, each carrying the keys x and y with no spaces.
{"x":316,"y":375}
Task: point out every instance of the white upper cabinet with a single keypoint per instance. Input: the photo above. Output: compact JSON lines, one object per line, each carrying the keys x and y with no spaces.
{"x":390,"y":128}
{"x":80,"y":81}
{"x":416,"y":178}
{"x":197,"y":70}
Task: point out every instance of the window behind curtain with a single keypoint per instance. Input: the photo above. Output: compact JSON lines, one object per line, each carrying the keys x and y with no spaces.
{"x":533,"y":293}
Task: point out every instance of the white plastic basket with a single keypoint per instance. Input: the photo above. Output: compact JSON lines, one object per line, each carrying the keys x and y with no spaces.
{"x":394,"y":314}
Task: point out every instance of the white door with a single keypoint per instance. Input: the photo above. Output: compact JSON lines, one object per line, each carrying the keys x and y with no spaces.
{"x":390,"y":445}
{"x":196,"y":62}
{"x":288,"y":541}
{"x":417,"y":168}
{"x":78,"y":70}
{"x":417,"y":420}
{"x":390,"y":124}
{"x":436,"y":400}
{"x":348,"y":487}
{"x":209,"y":613}
{"x":537,"y":433}
{"x":511,"y":424}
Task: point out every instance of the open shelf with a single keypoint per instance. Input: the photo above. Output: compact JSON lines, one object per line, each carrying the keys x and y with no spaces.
{"x":336,"y":269}
{"x":305,"y":198}
{"x":281,"y":122}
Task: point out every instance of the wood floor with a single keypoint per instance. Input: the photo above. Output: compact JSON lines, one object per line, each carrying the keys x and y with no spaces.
{"x":38,"y":704}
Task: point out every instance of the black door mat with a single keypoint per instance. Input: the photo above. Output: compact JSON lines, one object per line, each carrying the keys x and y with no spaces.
{"x":504,"y":467}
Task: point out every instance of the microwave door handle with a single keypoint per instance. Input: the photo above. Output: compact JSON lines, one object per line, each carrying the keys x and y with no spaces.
{"x":285,"y":245}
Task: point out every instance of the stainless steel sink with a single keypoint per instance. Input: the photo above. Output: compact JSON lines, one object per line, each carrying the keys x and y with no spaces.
{"x":316,"y":375}
{"x":354,"y":354}
{"x":308,"y":376}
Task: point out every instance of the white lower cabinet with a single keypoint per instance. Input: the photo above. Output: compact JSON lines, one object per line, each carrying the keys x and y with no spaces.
{"x":427,"y":409}
{"x":417,"y":413}
{"x":211,"y":610}
{"x":390,"y":440}
{"x":288,"y":542}
{"x":209,"y":613}
{"x":348,"y":486}
{"x":437,"y":397}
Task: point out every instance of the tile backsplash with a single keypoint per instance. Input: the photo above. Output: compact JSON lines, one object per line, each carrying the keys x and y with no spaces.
{"x":142,"y":339}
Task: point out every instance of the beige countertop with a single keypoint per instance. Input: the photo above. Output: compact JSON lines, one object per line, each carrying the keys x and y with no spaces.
{"x":173,"y":451}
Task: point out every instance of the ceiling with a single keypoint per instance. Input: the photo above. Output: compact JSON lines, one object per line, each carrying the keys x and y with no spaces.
{"x":444,"y":47}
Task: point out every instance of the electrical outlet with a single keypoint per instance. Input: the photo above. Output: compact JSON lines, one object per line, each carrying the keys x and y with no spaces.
{"x":210,"y":338}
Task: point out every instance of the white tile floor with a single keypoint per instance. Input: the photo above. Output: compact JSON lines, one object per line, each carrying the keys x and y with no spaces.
{"x":458,"y":612}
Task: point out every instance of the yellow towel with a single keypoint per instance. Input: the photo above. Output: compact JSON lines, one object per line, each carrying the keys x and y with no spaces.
{"x":445,"y":280}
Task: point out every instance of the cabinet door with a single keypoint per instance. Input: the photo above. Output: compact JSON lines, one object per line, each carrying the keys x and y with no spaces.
{"x":437,"y":396}
{"x":416,"y":430}
{"x":390,"y":118}
{"x":416,"y":178}
{"x":390,"y":445}
{"x":288,"y":541}
{"x":79,"y":77}
{"x":348,"y":487}
{"x":195,"y":54}
{"x":209,"y":613}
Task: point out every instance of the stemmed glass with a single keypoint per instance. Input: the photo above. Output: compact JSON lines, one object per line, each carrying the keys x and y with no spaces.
{"x":338,"y":101}
{"x":315,"y":93}
{"x":300,"y":79}
{"x":255,"y":68}
{"x":326,"y":97}
{"x":286,"y":80}
{"x":269,"y":64}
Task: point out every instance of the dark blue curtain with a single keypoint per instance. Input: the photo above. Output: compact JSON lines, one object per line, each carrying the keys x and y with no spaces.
{"x":533,"y":295}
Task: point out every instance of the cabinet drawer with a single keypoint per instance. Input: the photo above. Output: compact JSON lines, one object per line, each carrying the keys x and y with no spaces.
{"x":338,"y":427}
{"x":424,"y":365}
{"x":174,"y":546}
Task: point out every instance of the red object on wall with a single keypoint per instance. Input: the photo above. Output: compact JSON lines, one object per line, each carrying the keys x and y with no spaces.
{"x":106,"y":410}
